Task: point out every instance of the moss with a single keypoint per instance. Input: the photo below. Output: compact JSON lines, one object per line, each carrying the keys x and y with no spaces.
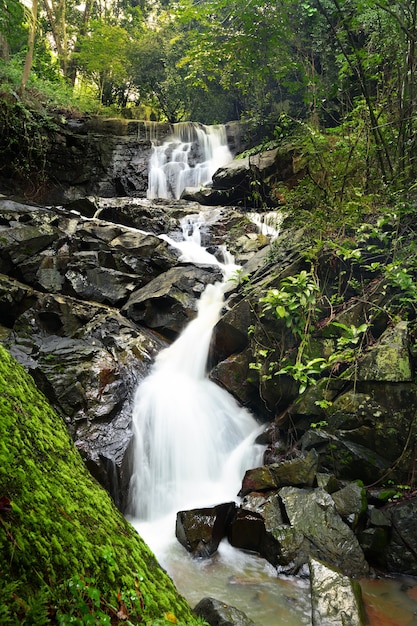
{"x":60,"y":522}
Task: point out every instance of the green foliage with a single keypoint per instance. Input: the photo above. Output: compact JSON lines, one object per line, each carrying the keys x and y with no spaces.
{"x":102,"y":55}
{"x":23,"y":140}
{"x":65,"y":550}
{"x":294,"y":302}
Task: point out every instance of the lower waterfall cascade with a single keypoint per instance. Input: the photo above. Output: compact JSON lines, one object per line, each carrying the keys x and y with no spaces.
{"x":188,"y":437}
{"x":188,"y":158}
{"x":193,"y":442}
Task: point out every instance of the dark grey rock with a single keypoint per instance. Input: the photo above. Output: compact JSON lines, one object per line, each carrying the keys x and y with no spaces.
{"x":201,"y":530}
{"x":312,"y":513}
{"x":218,"y":613}
{"x":299,"y":471}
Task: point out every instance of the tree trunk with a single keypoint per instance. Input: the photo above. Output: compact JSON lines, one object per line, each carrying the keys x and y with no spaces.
{"x":4,"y":48}
{"x":31,"y":45}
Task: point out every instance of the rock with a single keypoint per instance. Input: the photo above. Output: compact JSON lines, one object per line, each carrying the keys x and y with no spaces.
{"x":401,"y":553}
{"x":230,"y":335}
{"x":299,"y":471}
{"x":217,"y":613}
{"x":233,"y":374}
{"x":312,"y":513}
{"x":55,"y":250}
{"x":365,"y":431}
{"x":389,"y":360}
{"x":87,"y":359}
{"x":259,"y":527}
{"x":168,"y":302}
{"x":350,"y":501}
{"x":201,"y":530}
{"x":240,"y":183}
{"x":335,"y":598}
{"x":101,"y":157}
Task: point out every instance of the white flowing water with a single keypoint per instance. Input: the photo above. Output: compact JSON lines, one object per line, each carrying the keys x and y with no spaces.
{"x":188,"y":158}
{"x":190,"y":434}
{"x":193,"y":443}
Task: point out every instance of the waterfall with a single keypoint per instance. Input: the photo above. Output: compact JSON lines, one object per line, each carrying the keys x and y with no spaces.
{"x":188,"y":158}
{"x":192,"y":440}
{"x":268,"y":223}
{"x":192,"y":445}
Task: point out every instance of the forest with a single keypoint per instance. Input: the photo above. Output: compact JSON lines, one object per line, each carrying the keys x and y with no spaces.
{"x":346,"y":66}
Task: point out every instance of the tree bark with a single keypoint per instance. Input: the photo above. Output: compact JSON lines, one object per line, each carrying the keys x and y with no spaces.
{"x":31,"y":45}
{"x":4,"y":48}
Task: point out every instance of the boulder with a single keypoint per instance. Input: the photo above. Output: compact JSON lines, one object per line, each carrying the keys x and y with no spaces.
{"x":217,"y":613}
{"x":299,"y":471}
{"x":389,"y":360}
{"x":312,"y":513}
{"x":365,"y":432}
{"x":168,"y":302}
{"x":259,"y":526}
{"x":201,"y":530}
{"x":233,"y":374}
{"x":55,"y":250}
{"x":335,"y":598}
{"x":350,"y":501}
{"x":401,"y":552}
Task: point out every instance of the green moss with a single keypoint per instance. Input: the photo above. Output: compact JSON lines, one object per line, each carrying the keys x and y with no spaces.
{"x":61,"y":523}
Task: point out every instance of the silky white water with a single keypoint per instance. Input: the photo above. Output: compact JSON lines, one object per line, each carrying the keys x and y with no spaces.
{"x":188,"y":158}
{"x":190,"y":435}
{"x":193,"y":443}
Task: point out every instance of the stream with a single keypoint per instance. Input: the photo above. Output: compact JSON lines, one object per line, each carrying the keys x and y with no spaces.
{"x":193,"y":442}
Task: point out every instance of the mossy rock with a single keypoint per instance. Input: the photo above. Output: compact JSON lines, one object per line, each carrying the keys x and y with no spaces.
{"x":59,"y":530}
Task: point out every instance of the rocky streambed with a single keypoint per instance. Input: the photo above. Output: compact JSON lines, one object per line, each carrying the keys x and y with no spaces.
{"x":89,"y":298}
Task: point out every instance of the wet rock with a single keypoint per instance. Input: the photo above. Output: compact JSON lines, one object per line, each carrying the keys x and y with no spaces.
{"x":233,"y":374}
{"x":218,"y":613}
{"x":55,"y":250}
{"x":168,"y":302}
{"x":87,"y":359}
{"x":401,"y":553}
{"x":350,"y":501}
{"x":365,"y":432}
{"x":230,"y":335}
{"x":335,"y":598}
{"x":312,"y":513}
{"x":201,"y":530}
{"x":102,"y":158}
{"x":299,"y":471}
{"x":259,"y":526}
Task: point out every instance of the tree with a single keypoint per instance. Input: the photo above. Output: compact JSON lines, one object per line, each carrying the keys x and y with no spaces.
{"x":246,"y":49}
{"x":31,"y":45}
{"x":103,"y":55}
{"x":155,"y":72}
{"x":12,"y":33}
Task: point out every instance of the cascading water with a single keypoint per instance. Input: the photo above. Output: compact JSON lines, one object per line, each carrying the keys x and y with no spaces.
{"x":188,"y":431}
{"x":192,"y":445}
{"x":188,"y":158}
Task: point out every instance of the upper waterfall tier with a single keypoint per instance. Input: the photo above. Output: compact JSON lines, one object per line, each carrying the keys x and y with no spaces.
{"x":188,"y":158}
